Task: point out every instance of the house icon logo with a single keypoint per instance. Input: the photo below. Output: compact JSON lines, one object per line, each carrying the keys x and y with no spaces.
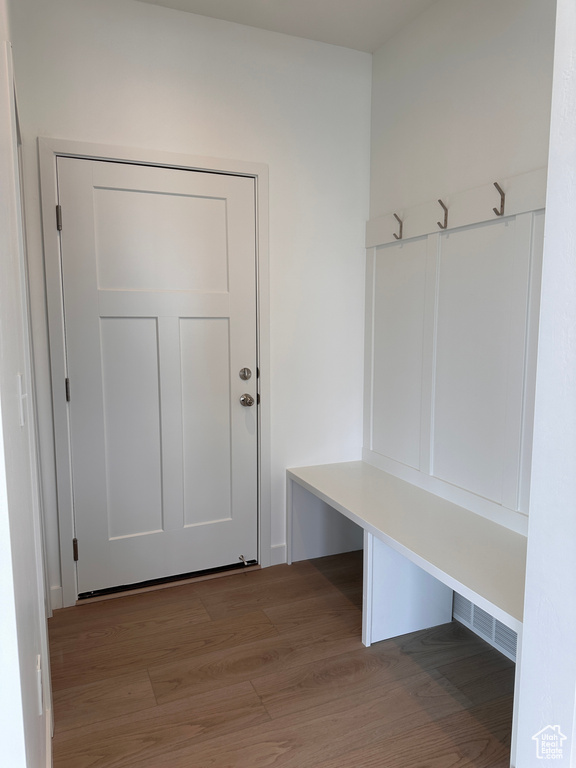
{"x":549,"y":743}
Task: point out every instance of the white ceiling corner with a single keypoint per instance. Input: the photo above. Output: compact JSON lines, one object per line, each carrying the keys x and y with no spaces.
{"x":360,"y":24}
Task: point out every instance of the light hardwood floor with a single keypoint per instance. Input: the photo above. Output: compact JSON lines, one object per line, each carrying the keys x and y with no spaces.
{"x":266,"y":669}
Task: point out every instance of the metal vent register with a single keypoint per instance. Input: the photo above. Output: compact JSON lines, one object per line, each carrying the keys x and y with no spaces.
{"x":486,"y":626}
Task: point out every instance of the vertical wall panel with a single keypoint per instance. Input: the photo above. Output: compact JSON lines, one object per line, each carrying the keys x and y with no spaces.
{"x":474,"y":317}
{"x":398,"y":337}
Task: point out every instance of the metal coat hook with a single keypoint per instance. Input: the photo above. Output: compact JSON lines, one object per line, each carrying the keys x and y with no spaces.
{"x":445,"y":225}
{"x":502,"y":200}
{"x":399,"y":220}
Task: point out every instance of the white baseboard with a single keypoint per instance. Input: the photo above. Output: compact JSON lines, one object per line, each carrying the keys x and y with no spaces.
{"x":49,"y":735}
{"x":278,"y":554}
{"x":56,"y":598}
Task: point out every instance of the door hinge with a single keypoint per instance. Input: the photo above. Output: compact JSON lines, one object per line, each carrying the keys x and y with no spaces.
{"x":75,"y":548}
{"x":59,"y":218}
{"x":67,"y":383}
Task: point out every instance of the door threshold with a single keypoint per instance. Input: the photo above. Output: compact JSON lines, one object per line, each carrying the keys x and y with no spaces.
{"x":169,"y":581}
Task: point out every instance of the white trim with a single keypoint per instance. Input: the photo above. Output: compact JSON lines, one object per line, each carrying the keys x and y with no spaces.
{"x":370,"y":279}
{"x":289,"y":519}
{"x":278,"y":554}
{"x":367,"y":588}
{"x":519,"y":298}
{"x":24,"y":598}
{"x":49,"y":150}
{"x":56,"y":600}
{"x":432,"y":287}
{"x":12,"y":713}
{"x":66,"y":148}
{"x":517,"y":698}
{"x":524,"y":193}
{"x":532,"y":327}
{"x":546,"y":679}
{"x":265,"y":554}
{"x":49,"y":736}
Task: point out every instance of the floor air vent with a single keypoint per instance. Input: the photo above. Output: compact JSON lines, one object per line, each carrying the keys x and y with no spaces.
{"x":486,"y":626}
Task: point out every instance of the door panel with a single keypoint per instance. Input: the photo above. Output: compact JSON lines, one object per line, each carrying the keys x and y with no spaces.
{"x":159,"y":288}
{"x":170,"y":225}
{"x":131,"y":425}
{"x":205,"y":347}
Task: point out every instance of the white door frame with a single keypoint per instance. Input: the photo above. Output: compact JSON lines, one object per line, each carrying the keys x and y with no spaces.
{"x":49,"y":151}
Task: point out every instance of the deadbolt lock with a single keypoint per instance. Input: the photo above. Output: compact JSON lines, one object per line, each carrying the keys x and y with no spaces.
{"x":245,"y":374}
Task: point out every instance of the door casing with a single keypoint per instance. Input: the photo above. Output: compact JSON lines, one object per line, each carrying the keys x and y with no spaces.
{"x":49,"y":151}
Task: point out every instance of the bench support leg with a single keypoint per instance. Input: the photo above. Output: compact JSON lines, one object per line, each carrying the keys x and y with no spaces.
{"x":398,"y":596}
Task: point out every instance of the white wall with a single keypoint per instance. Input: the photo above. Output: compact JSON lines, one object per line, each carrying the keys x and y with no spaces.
{"x":121,"y":72}
{"x":461,"y":98}
{"x":23,"y":726}
{"x":548,"y":672}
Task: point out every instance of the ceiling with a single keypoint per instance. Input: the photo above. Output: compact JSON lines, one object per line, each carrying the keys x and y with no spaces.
{"x":360,"y":24}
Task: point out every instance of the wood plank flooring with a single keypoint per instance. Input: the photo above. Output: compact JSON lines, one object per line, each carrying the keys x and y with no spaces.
{"x":267,"y":669}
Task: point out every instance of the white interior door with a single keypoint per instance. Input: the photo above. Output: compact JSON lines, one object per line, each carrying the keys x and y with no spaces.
{"x":159,"y":281}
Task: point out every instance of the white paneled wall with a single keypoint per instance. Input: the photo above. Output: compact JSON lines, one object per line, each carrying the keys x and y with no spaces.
{"x":480,"y":325}
{"x":398,"y":323}
{"x":449,"y":364}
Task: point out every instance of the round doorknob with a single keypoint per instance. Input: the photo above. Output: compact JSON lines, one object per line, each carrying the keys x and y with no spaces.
{"x":246,"y":400}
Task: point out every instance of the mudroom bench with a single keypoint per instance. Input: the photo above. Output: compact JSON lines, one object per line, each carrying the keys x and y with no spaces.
{"x":418,"y":549}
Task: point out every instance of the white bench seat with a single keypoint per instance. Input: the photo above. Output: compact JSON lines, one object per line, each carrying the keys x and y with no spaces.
{"x":464,"y":551}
